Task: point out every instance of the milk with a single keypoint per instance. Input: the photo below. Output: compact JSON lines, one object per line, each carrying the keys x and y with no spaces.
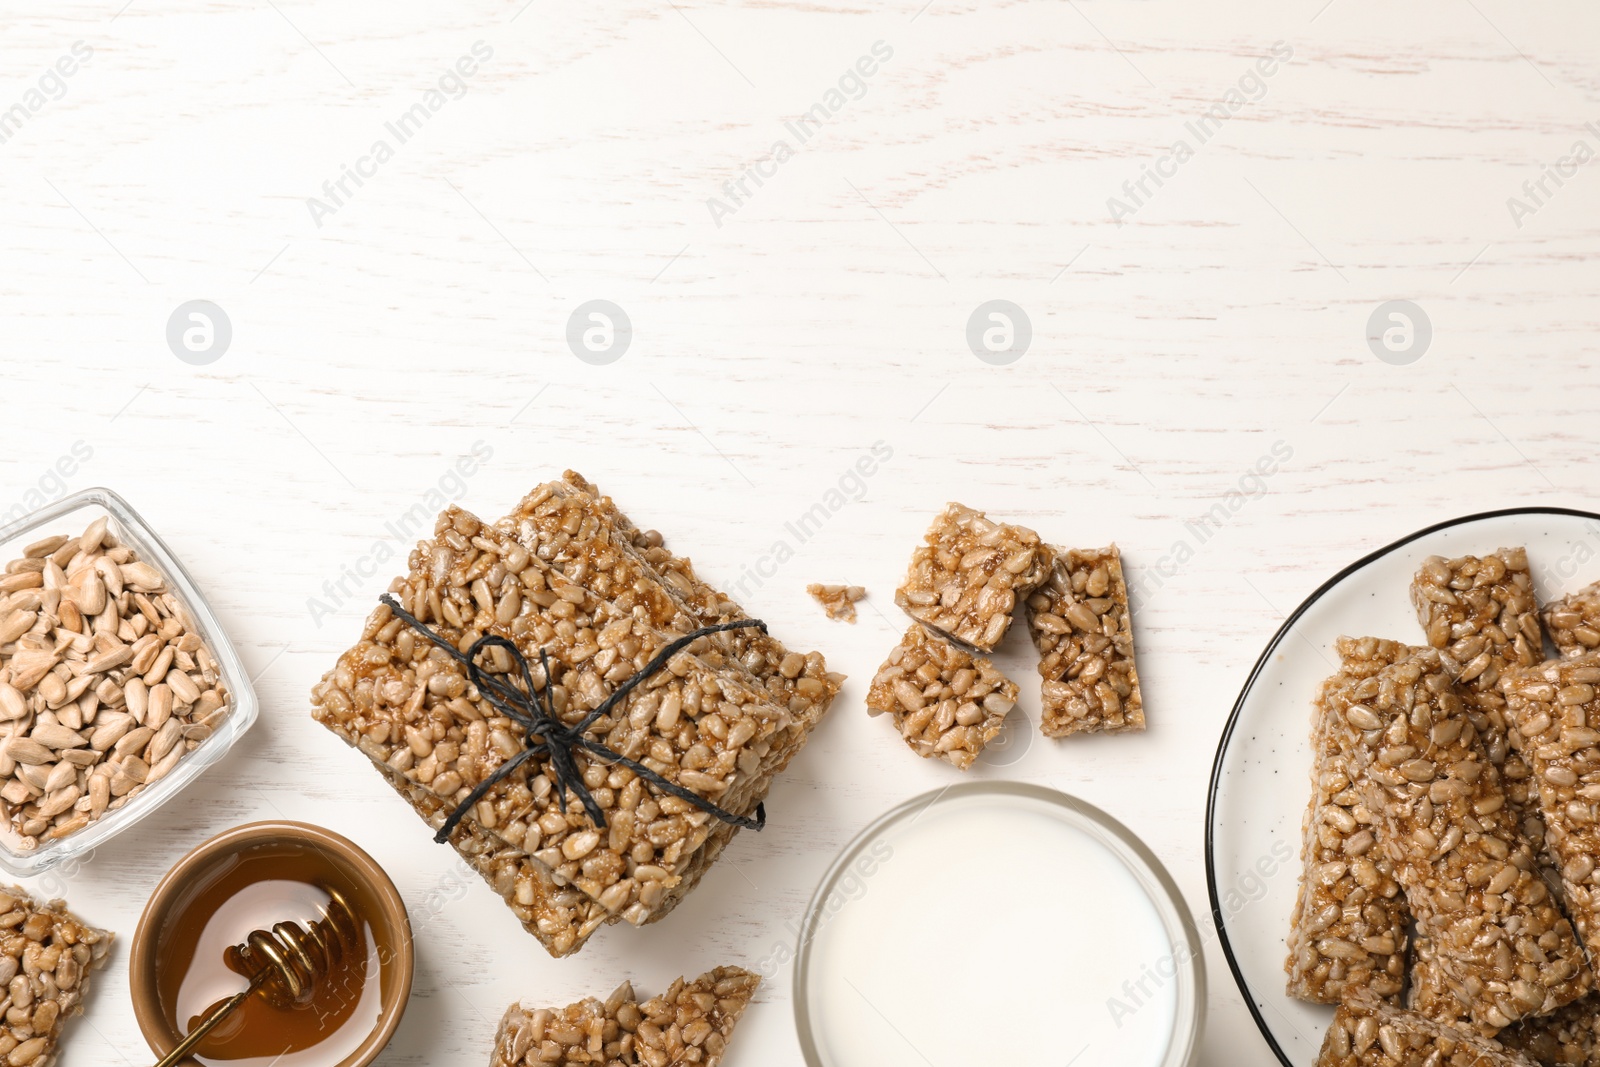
{"x":993,"y":929}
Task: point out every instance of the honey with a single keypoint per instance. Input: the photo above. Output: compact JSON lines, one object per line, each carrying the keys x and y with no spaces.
{"x":197,"y":966}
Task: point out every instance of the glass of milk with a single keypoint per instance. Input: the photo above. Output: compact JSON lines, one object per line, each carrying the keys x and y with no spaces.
{"x":998,"y":922}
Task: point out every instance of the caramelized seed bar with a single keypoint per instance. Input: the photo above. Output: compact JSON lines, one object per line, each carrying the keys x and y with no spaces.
{"x":965,"y":579}
{"x":691,"y":1023}
{"x":1348,"y":928}
{"x":946,"y":702}
{"x":1567,"y":1038}
{"x":406,"y":704}
{"x":1556,"y":707}
{"x":1482,"y":612}
{"x":1080,"y":624}
{"x":1366,"y":1032}
{"x":46,"y":955}
{"x":1469,"y":875}
{"x":1574,"y":621}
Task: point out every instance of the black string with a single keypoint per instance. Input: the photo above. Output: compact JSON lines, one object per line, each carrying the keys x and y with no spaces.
{"x":546,"y":735}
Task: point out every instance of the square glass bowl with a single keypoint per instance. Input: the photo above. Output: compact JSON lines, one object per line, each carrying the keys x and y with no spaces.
{"x":70,"y":516}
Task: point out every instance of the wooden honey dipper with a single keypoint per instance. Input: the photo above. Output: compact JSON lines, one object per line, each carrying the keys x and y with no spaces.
{"x":285,"y":962}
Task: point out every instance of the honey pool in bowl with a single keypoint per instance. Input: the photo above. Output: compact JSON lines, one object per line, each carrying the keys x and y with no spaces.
{"x":254,"y":878}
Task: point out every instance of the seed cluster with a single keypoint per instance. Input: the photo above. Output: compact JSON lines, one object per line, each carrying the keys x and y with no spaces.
{"x":104,"y":683}
{"x":839,"y":601}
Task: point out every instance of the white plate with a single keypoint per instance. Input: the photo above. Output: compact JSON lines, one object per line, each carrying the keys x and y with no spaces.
{"x":1260,"y":783}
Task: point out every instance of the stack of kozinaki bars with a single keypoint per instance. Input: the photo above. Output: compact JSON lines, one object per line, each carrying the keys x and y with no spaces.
{"x":1451,"y":841}
{"x":567,"y":573}
{"x":948,"y":700}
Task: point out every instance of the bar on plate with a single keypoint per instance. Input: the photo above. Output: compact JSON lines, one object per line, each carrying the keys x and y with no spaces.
{"x":1080,"y":624}
{"x":966,"y":577}
{"x":1367,"y":1032}
{"x":1556,"y":706}
{"x":1480,"y":612}
{"x":1348,"y":928}
{"x":1503,"y":947}
{"x":1574,"y":621}
{"x":946,"y":702}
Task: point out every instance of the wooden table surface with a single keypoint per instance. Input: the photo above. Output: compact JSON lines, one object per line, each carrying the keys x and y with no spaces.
{"x":398,"y":207}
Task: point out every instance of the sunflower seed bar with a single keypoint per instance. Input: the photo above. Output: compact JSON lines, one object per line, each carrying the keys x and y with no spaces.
{"x":1367,"y":1032}
{"x":1556,"y":707}
{"x":405,"y":704}
{"x":839,"y":601}
{"x":1574,"y":621}
{"x":46,"y":954}
{"x":965,"y":579}
{"x":946,"y":702}
{"x":1348,"y":928}
{"x":1482,"y":612}
{"x":1567,"y":1038}
{"x":691,"y":1023}
{"x":1469,"y":875}
{"x":1080,"y":624}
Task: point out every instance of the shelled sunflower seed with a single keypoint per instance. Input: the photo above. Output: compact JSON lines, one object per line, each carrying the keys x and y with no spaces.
{"x":104,"y":684}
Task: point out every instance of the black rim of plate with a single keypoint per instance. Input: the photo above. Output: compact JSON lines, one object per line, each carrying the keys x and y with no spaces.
{"x":1238,"y":705}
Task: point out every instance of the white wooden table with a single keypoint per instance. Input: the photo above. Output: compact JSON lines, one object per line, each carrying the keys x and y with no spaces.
{"x":1178,"y":337}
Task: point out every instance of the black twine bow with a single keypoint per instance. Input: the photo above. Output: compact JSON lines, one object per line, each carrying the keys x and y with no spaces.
{"x":546,"y":735}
